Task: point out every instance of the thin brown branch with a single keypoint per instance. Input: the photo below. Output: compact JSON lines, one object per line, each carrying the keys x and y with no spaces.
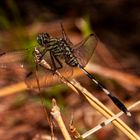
{"x":108,"y":121}
{"x":55,"y":112}
{"x":95,"y":103}
{"x":15,"y":88}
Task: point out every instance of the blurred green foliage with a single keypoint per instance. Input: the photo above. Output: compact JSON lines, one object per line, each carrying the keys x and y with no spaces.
{"x":4,"y":22}
{"x":19,"y":101}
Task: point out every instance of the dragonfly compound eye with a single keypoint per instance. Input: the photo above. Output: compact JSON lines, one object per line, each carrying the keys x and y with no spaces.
{"x":43,"y":39}
{"x":39,"y":39}
{"x":46,"y":35}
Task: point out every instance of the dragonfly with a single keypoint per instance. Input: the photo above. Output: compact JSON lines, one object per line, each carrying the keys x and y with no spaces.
{"x":65,"y":56}
{"x":63,"y":52}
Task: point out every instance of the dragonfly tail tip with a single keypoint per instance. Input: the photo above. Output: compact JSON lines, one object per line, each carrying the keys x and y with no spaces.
{"x":128,"y":113}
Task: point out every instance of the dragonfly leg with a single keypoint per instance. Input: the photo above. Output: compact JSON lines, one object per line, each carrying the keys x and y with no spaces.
{"x":64,"y":35}
{"x":39,"y":56}
{"x":43,"y":53}
{"x":54,"y":58}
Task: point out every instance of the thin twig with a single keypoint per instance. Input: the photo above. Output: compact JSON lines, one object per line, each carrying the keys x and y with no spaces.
{"x":15,"y":88}
{"x":95,"y":103}
{"x":106,"y":122}
{"x":74,"y":131}
{"x":55,"y":112}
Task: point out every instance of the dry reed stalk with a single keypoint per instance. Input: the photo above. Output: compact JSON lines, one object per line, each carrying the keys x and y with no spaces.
{"x":55,"y":112}
{"x":106,"y":122}
{"x":95,"y":103}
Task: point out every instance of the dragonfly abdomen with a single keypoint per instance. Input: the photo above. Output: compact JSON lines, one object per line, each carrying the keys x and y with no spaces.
{"x":72,"y":61}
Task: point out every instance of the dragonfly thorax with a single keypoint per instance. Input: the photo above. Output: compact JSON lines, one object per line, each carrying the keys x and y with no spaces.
{"x":63,"y":50}
{"x":58,"y":47}
{"x":68,"y":54}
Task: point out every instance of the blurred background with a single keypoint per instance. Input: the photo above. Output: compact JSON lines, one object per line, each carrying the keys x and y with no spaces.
{"x":117,"y":26}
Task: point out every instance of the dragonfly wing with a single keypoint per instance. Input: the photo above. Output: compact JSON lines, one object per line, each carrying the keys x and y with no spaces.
{"x":19,"y":58}
{"x":84,"y":50}
{"x":65,"y":35}
{"x":66,"y":70}
{"x":13,"y":67}
{"x":10,"y":57}
{"x":46,"y":78}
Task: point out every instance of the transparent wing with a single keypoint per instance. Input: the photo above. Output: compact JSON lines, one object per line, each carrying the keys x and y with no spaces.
{"x":47,"y":78}
{"x":64,"y":35}
{"x":17,"y":58}
{"x":66,"y":70}
{"x":10,"y":57}
{"x":12,"y":67}
{"x":84,"y":50}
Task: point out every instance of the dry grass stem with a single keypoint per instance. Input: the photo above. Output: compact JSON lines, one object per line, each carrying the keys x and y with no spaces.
{"x":55,"y":112}
{"x":106,"y":112}
{"x":8,"y":90}
{"x":108,"y":121}
{"x":74,"y":131}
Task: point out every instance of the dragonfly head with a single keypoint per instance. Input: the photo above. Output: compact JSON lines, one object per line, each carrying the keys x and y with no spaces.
{"x":43,"y":39}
